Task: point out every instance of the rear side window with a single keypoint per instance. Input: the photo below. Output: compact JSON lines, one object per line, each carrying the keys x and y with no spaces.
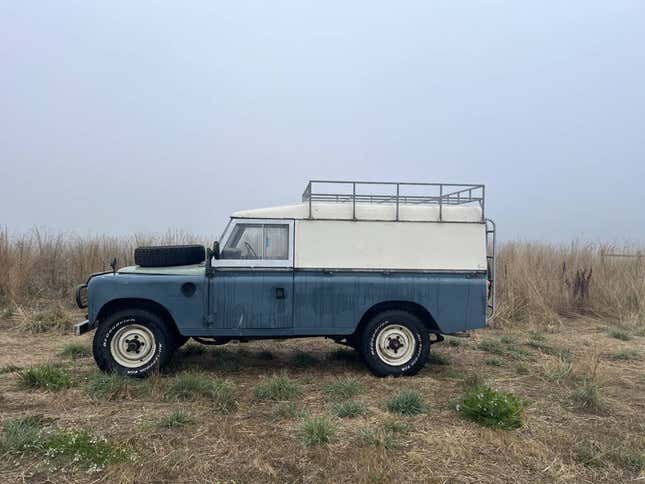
{"x":258,"y":242}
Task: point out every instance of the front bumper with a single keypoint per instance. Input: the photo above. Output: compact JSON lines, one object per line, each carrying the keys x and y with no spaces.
{"x":83,"y":327}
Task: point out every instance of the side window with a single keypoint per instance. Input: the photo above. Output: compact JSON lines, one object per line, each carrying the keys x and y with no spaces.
{"x":258,"y":241}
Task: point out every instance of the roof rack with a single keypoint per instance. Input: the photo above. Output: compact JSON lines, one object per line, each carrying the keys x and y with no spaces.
{"x":400,"y":193}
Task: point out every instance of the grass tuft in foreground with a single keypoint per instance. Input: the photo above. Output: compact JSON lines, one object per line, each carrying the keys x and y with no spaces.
{"x":627,"y":355}
{"x":588,"y":396}
{"x":177,"y":418}
{"x":317,"y":431}
{"x":193,"y":386}
{"x":75,"y":351}
{"x":406,"y":402}
{"x":491,"y":408}
{"x":343,"y":389}
{"x":45,"y":377}
{"x":385,"y":435}
{"x":619,"y":333}
{"x":349,"y":409}
{"x":104,"y":386}
{"x":278,"y":388}
{"x":60,"y":447}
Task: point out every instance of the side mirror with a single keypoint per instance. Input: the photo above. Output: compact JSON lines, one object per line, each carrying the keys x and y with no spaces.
{"x":215,"y":250}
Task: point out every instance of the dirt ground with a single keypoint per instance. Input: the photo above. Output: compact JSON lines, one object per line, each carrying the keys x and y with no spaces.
{"x":544,"y":366}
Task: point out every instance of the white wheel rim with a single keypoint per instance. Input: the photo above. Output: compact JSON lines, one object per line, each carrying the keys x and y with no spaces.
{"x":133,"y":346}
{"x":395,"y":344}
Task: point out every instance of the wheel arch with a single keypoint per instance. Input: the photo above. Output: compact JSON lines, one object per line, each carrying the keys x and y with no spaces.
{"x":139,"y":303}
{"x":415,"y":308}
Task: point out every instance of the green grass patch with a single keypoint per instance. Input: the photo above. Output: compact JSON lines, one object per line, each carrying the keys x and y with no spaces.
{"x":588,"y":396}
{"x":10,"y":369}
{"x":278,"y":388}
{"x":75,"y":351}
{"x":592,"y":454}
{"x":45,"y":377}
{"x":385,"y":435}
{"x":557,"y":372}
{"x":318,"y":431}
{"x":102,"y":386}
{"x":435,"y":358}
{"x":493,"y":362}
{"x":343,"y":389}
{"x":454,"y":342}
{"x":349,"y":409}
{"x":491,"y":408}
{"x":406,"y":402}
{"x":304,"y":360}
{"x":491,"y":346}
{"x":71,"y":447}
{"x":193,"y":386}
{"x":619,"y":333}
{"x":177,"y":418}
{"x":285,"y":410}
{"x":627,"y":355}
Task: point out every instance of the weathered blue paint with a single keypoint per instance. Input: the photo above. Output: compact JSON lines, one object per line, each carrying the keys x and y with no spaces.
{"x":245,"y":303}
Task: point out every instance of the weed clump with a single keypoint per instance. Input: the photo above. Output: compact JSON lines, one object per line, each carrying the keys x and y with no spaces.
{"x":318,"y":431}
{"x":45,"y":377}
{"x":75,"y":351}
{"x":278,"y":388}
{"x":343,"y":389}
{"x":193,"y":386}
{"x":406,"y":402}
{"x":627,"y":355}
{"x":112,"y":386}
{"x":349,"y":409}
{"x":588,"y":396}
{"x":178,"y":418}
{"x":491,"y":408}
{"x":619,"y":333}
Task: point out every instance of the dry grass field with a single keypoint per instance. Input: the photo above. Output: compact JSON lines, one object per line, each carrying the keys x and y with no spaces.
{"x":565,"y":359}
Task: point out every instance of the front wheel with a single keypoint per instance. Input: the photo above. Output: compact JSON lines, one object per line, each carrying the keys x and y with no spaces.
{"x":133,"y":343}
{"x":395,"y":343}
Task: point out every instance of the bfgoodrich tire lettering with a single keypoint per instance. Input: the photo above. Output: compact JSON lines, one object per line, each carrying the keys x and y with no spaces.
{"x":395,"y":343}
{"x":135,"y":322}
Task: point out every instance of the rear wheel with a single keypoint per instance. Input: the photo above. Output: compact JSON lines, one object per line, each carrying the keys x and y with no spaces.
{"x":395,"y":343}
{"x":132,"y":342}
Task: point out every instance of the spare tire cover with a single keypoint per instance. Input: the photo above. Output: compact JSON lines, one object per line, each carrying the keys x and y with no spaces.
{"x":169,"y":255}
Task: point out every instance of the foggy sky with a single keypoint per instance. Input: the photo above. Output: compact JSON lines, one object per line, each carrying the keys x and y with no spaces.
{"x":121,"y":117}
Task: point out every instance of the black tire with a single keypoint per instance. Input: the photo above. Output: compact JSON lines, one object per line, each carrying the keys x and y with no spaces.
{"x":169,"y":255}
{"x":179,"y":341}
{"x":118,"y":325}
{"x":393,"y":320}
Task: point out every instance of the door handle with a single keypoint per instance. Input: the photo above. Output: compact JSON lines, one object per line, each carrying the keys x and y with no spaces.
{"x":279,"y":293}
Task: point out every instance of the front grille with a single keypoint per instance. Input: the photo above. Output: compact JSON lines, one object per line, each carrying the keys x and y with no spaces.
{"x":81,"y":296}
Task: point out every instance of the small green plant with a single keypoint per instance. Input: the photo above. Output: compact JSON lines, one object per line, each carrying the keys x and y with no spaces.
{"x":493,"y":362}
{"x":65,"y":447}
{"x":318,"y":431}
{"x":491,"y":346}
{"x":453,"y":341}
{"x":193,"y":386}
{"x":45,"y":377}
{"x":557,"y":371}
{"x":349,"y":409}
{"x":435,"y":358}
{"x":491,"y":408}
{"x":620,"y":334}
{"x":588,"y":396}
{"x":23,"y":433}
{"x":304,"y":360}
{"x":112,"y":386}
{"x":395,"y":427}
{"x":627,"y":355}
{"x":177,"y":418}
{"x":277,"y":388}
{"x":343,"y":389}
{"x":75,"y":351}
{"x":10,"y":369}
{"x":589,"y":453}
{"x":285,"y":410}
{"x":406,"y":402}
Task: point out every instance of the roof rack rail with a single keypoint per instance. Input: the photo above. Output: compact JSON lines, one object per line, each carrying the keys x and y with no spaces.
{"x":403,"y":193}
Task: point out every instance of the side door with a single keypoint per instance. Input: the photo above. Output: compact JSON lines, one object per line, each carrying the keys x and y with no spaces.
{"x":251,"y":291}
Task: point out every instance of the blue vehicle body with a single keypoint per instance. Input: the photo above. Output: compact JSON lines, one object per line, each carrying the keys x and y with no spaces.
{"x":233,"y":302}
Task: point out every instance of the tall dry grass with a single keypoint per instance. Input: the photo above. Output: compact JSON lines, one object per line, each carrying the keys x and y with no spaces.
{"x":535,"y":282}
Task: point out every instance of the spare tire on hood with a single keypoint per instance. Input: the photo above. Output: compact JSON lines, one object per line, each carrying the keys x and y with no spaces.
{"x":169,"y":255}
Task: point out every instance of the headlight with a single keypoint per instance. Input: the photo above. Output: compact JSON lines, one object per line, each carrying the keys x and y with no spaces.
{"x":81,"y":296}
